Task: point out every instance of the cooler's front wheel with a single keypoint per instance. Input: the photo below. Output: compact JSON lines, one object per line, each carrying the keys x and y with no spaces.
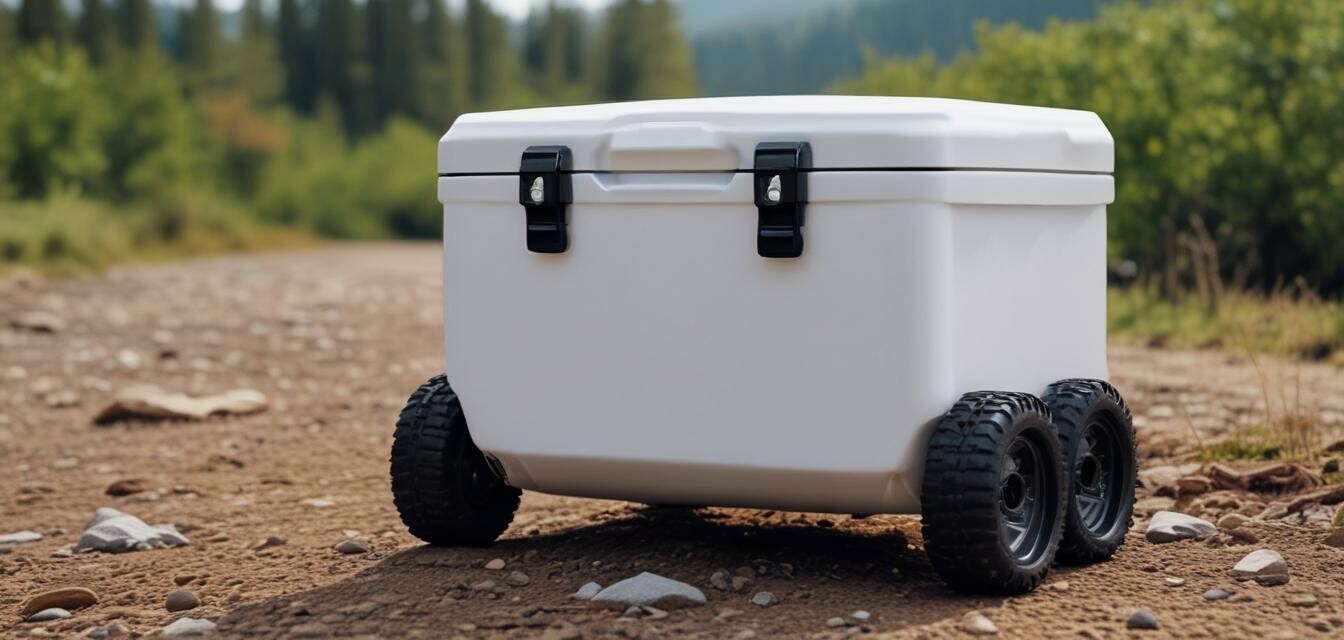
{"x":442,"y":485}
{"x":1097,"y":436}
{"x":993,"y":493}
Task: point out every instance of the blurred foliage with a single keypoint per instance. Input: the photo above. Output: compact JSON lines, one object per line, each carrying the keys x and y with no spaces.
{"x":119,"y":139}
{"x":1227,"y":122}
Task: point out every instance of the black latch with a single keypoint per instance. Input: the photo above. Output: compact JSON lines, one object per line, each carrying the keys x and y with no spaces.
{"x":781,"y":194}
{"x":545,"y":190}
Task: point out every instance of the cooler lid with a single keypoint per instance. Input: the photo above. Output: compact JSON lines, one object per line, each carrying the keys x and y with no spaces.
{"x":845,"y":132}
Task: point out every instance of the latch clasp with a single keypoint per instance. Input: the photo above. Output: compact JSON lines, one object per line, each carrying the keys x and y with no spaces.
{"x":781,"y":194}
{"x":545,"y":189}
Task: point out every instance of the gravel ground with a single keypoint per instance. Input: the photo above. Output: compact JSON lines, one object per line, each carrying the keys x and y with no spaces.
{"x":337,"y":337}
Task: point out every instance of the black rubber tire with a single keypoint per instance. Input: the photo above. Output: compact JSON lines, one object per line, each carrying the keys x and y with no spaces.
{"x":965,"y":492}
{"x":442,"y":485}
{"x":1099,"y":508}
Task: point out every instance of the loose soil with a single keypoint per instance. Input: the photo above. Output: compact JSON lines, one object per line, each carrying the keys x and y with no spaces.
{"x":338,"y":337}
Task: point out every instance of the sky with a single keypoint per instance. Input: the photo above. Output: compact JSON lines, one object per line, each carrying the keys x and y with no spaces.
{"x":514,"y":8}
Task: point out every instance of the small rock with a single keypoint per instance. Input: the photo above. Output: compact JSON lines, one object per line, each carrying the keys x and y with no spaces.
{"x":151,"y":403}
{"x":38,"y":322}
{"x":1216,"y":593}
{"x":1335,"y":539}
{"x":763,"y":599}
{"x":1244,"y":536}
{"x":976,"y":624}
{"x":740,"y":583}
{"x":835,"y":622}
{"x":632,"y":612}
{"x":1232,"y":521}
{"x":318,"y":503}
{"x":181,"y":600}
{"x":1059,"y":585}
{"x":352,"y":547}
{"x":654,"y":613}
{"x":495,"y":565}
{"x":126,"y":487}
{"x":186,"y":627}
{"x":183,"y":580}
{"x":20,"y":537}
{"x":1302,"y":600}
{"x":1265,"y":566}
{"x":1142,"y":619}
{"x":484,"y":585}
{"x":720,"y":580}
{"x":517,"y":579}
{"x":1193,"y":485}
{"x":69,"y":599}
{"x":860,"y":616}
{"x":1169,"y":526}
{"x":113,"y":630}
{"x":270,"y":541}
{"x":650,"y":590}
{"x":587,"y":591}
{"x":47,"y":615}
{"x":1173,"y":581}
{"x":114,"y":532}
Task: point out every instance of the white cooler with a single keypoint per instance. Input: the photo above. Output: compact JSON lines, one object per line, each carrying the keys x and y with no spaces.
{"x":762,"y":302}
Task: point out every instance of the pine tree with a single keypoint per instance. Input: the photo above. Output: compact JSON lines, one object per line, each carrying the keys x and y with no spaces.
{"x":646,"y":55}
{"x":393,"y":59}
{"x":94,"y":30}
{"x":249,"y":64}
{"x":200,"y":40}
{"x":136,"y":24}
{"x":622,"y":51}
{"x":296,"y":58}
{"x":335,"y":56}
{"x":442,"y":94}
{"x":41,"y":20}
{"x":487,"y":55}
{"x":554,"y":47}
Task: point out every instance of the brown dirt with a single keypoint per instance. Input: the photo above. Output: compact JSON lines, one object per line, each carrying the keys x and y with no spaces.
{"x":338,"y":337}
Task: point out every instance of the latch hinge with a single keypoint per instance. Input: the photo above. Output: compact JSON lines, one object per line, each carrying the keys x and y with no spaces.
{"x":781,"y":194}
{"x":545,"y":189}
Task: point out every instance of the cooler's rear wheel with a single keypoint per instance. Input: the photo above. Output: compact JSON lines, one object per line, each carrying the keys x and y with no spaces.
{"x":442,"y":485}
{"x":993,"y":493}
{"x":1097,"y":436}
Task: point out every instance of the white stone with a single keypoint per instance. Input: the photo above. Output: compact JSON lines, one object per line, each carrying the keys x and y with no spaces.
{"x":114,"y":532}
{"x":1169,"y":526}
{"x":587,"y":591}
{"x":650,"y":590}
{"x":20,"y":537}
{"x":763,"y":599}
{"x":1265,"y":566}
{"x":187,"y":627}
{"x":46,"y":615}
{"x":976,"y":624}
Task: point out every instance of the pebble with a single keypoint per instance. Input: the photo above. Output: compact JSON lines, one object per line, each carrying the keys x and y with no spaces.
{"x":113,"y":630}
{"x":38,"y":322}
{"x":1173,"y":581}
{"x":1232,"y":521}
{"x":1142,"y":619}
{"x":835,"y":622}
{"x":351,"y":547}
{"x":187,"y":627}
{"x":517,"y":579}
{"x":650,"y":590}
{"x":114,"y":532}
{"x":1335,"y":539}
{"x":1302,"y":600}
{"x":587,"y":591}
{"x":1216,"y":593}
{"x":976,"y":624}
{"x":720,"y":580}
{"x":1061,"y":585}
{"x":181,"y":600}
{"x":69,"y":598}
{"x":126,"y":487}
{"x":654,"y":613}
{"x":497,"y":564}
{"x":860,"y":616}
{"x":1169,"y":526}
{"x":270,"y":541}
{"x":20,"y":537}
{"x":1265,"y":566}
{"x":740,"y":583}
{"x":763,"y":599}
{"x":47,"y":615}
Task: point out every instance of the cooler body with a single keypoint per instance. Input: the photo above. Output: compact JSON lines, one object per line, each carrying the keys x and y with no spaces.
{"x":659,"y":358}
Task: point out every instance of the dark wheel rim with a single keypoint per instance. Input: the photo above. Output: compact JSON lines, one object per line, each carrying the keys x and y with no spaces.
{"x":1025,"y":500}
{"x":1098,"y":472}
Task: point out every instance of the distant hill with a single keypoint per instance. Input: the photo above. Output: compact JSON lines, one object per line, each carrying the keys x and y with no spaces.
{"x":820,"y":41}
{"x":703,"y":16}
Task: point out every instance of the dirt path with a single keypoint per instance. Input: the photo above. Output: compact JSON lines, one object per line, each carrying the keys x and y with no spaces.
{"x":338,"y":337}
